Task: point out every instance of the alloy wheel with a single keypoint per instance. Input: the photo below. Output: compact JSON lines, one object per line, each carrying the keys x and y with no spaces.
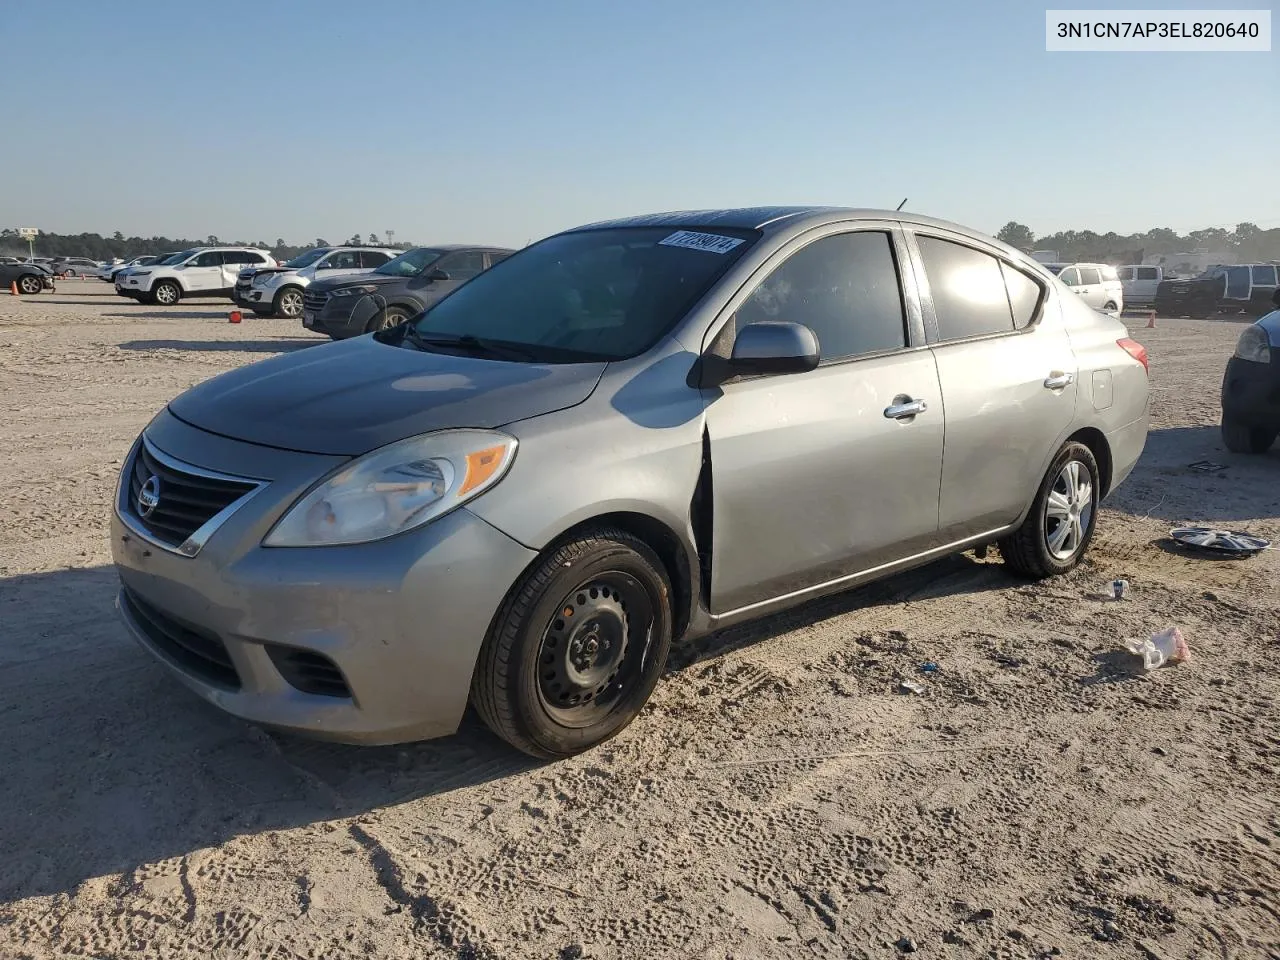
{"x":1068,"y":510}
{"x":291,"y":304}
{"x":30,"y":285}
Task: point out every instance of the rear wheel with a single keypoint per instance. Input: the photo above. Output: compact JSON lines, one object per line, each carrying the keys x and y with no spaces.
{"x":288,"y":303}
{"x":1059,"y":527}
{"x":1109,"y":307}
{"x":166,"y":293}
{"x":1245,"y":438}
{"x":30,"y":284}
{"x":577,"y":647}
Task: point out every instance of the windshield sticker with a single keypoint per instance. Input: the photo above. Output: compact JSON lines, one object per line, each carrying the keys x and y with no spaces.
{"x":710,"y":242}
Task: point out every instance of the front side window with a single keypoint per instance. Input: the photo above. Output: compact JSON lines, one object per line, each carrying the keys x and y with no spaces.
{"x":1070,"y":276}
{"x":605,"y":294}
{"x":410,"y":263}
{"x":342,"y":260}
{"x":968,"y":288}
{"x":211,"y":258}
{"x":844,"y":288}
{"x":462,"y":266}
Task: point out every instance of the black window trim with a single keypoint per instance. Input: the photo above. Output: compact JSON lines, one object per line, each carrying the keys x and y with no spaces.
{"x":913,"y":337}
{"x":932,"y":333}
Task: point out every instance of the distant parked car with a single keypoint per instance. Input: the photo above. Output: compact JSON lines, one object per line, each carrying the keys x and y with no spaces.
{"x":30,"y":277}
{"x":624,"y":435}
{"x":397,"y":290}
{"x":277,"y":291}
{"x":1222,"y":289}
{"x":109,"y":271}
{"x":1251,"y":386}
{"x":75,"y":267}
{"x":1139,"y":283}
{"x":198,"y":272}
{"x":1097,"y":284}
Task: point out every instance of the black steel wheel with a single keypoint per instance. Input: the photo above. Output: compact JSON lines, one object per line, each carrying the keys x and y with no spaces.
{"x":577,"y":647}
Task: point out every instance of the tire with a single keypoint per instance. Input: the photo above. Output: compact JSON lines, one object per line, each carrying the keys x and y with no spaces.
{"x":552,"y":689}
{"x":390,"y":317}
{"x":288,"y":303}
{"x":166,"y":293}
{"x":30,"y":284}
{"x":1109,"y":307}
{"x":1244,"y":438}
{"x":1030,"y":549}
{"x":262,"y":313}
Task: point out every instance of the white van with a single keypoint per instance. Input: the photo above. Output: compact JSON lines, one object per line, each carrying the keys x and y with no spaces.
{"x":1139,"y":283}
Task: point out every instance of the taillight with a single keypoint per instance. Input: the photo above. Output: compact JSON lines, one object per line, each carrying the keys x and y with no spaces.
{"x":1136,"y":350}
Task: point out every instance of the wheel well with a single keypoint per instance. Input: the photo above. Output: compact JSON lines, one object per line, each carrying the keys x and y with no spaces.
{"x":159,"y":280}
{"x":1094,"y":439}
{"x":662,"y":541}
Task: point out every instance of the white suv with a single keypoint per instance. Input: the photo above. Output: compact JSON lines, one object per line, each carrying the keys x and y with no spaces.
{"x":199,"y":272}
{"x":277,"y":291}
{"x":1097,"y":284}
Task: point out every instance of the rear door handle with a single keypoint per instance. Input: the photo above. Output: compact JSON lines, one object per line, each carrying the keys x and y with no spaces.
{"x":1059,"y":380}
{"x":905,"y":409}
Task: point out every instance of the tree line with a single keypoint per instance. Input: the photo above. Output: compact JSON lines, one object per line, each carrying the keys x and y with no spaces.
{"x":1247,"y":243}
{"x":97,"y":247}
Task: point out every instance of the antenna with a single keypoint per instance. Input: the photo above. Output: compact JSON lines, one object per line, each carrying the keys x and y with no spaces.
{"x":902,"y":204}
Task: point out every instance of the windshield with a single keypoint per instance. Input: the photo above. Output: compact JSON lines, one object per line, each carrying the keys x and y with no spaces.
{"x":177,"y":257}
{"x":409,"y":263}
{"x":588,"y":295}
{"x":307,"y":259}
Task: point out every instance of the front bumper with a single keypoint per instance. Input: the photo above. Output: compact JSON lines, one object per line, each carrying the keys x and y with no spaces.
{"x":1251,"y":391}
{"x":342,"y":317}
{"x":255,"y":298}
{"x":400,"y":621}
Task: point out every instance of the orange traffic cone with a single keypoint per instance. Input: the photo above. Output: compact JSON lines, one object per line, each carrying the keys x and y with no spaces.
{"x":13,"y":289}
{"x":1151,"y":319}
{"x":235,"y":316}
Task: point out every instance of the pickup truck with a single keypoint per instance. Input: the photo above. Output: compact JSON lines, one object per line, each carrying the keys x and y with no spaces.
{"x":1222,"y":289}
{"x":1140,"y":282}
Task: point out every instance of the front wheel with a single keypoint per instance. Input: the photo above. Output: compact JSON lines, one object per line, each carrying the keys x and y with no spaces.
{"x":30,"y":284}
{"x":1244,"y":438}
{"x":386,"y":319}
{"x":577,"y":647}
{"x":166,"y":293}
{"x":1058,"y":529}
{"x":288,"y":303}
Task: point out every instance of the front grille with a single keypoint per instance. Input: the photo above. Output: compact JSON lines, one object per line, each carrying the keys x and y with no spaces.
{"x":186,"y":500}
{"x":314,"y":301}
{"x":198,"y":651}
{"x":309,"y":672}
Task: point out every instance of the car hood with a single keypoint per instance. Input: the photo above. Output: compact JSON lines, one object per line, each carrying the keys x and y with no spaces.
{"x":350,"y":397}
{"x":376,"y":279}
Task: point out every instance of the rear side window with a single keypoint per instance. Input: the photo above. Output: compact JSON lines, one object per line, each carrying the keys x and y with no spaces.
{"x":257,"y":258}
{"x":373,"y":258}
{"x":462,"y":266}
{"x":210,"y":259}
{"x":1148,"y":273}
{"x":1264,"y":275}
{"x":968,"y":288}
{"x":1109,"y":273}
{"x":496,"y":258}
{"x":1089,"y":275}
{"x":844,"y":288}
{"x":1024,"y":295}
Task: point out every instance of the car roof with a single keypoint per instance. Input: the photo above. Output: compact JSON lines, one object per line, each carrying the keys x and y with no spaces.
{"x":769,"y":219}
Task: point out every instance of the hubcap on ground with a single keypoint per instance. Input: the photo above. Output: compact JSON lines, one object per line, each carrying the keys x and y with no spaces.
{"x":1068,"y":510}
{"x":588,"y":651}
{"x":291,"y":303}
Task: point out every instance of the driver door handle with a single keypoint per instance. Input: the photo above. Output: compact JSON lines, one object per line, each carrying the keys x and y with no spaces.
{"x":1059,"y":380}
{"x":905,"y":410}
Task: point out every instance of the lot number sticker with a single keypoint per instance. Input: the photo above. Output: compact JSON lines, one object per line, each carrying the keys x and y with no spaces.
{"x":710,"y":242}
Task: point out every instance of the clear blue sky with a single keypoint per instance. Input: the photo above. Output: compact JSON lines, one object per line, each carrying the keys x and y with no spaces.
{"x":505,"y":120}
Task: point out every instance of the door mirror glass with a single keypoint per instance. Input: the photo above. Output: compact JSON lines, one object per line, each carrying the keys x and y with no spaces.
{"x":774,"y":346}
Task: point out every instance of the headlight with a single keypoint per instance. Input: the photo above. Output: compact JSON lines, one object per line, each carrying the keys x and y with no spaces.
{"x":140,"y":273}
{"x":1254,"y":344}
{"x":397,"y":488}
{"x":352,"y":291}
{"x":262,"y":279}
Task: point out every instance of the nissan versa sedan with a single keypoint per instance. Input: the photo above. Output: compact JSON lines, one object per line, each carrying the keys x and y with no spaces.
{"x":624,"y":435}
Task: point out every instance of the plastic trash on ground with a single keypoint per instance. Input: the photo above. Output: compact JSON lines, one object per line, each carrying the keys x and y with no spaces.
{"x":1168,"y":646}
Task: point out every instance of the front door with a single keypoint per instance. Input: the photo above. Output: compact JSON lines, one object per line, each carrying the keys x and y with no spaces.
{"x":817,"y":476}
{"x":203,"y":273}
{"x":1007,"y":374}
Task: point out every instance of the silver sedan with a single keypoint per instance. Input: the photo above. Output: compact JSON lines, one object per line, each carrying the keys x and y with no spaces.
{"x":626,"y":435}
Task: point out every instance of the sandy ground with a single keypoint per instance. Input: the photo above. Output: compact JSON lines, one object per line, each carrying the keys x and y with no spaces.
{"x":778,"y":799}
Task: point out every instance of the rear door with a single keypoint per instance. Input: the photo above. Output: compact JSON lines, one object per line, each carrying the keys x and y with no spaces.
{"x":1091,"y":289}
{"x":815,"y":477}
{"x":1007,"y":375}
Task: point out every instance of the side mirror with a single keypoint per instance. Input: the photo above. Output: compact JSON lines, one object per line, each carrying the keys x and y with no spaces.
{"x":774,"y":347}
{"x":436,"y":275}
